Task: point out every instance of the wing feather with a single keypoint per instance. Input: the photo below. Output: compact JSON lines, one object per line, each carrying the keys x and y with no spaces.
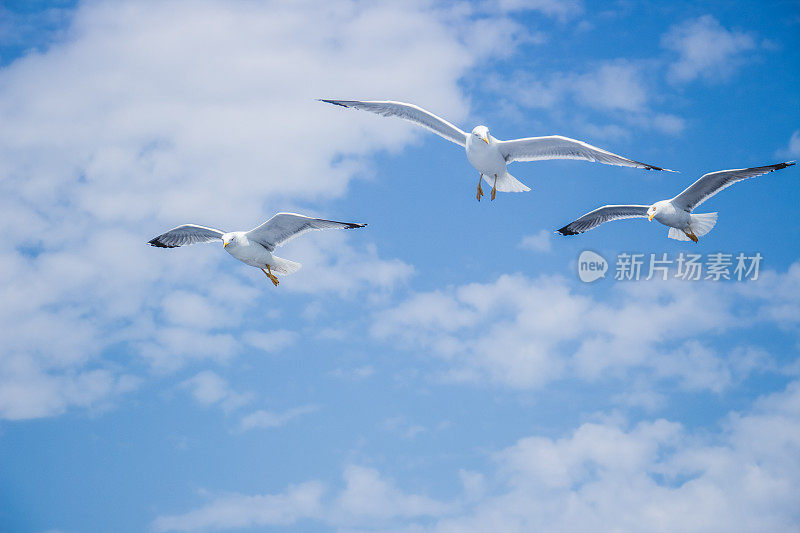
{"x":284,"y":227}
{"x":186,"y":234}
{"x":603,"y":214}
{"x":409,"y":112}
{"x":713,"y":182}
{"x":558,"y":147}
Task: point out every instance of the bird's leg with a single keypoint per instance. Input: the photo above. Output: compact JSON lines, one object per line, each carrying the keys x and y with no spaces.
{"x":689,"y":233}
{"x":480,"y":191}
{"x":494,"y":187}
{"x":271,"y":276}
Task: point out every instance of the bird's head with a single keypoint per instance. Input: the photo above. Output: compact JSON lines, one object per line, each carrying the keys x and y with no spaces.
{"x":227,"y":239}
{"x":653,"y":210}
{"x":482,"y":133}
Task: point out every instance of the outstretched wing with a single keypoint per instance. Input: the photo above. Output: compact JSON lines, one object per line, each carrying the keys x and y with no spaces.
{"x":603,"y":214}
{"x":558,"y":147}
{"x":284,"y":227}
{"x":410,"y":112}
{"x":713,"y":182}
{"x":186,"y":234}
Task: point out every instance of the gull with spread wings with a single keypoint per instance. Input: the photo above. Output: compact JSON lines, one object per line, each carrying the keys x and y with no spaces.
{"x":675,"y":212}
{"x":489,"y":155}
{"x":254,"y":247}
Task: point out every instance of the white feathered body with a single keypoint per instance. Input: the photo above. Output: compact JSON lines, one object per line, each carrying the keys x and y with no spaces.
{"x":254,"y":254}
{"x":489,"y":161}
{"x":486,"y":158}
{"x":679,"y":220}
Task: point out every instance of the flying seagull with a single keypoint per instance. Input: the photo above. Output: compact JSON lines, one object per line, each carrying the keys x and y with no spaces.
{"x":675,"y":212}
{"x":254,"y":247}
{"x":489,"y":155}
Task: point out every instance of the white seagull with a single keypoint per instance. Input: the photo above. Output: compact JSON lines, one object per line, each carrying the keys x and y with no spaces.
{"x":254,"y":247}
{"x":675,"y":212}
{"x":489,"y":155}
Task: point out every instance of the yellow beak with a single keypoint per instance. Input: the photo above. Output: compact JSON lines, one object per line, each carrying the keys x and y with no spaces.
{"x":650,"y":216}
{"x":486,"y":139}
{"x":225,"y":245}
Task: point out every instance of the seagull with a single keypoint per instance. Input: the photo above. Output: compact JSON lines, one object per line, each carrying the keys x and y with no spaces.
{"x":489,"y":155}
{"x":254,"y":247}
{"x":675,"y":212}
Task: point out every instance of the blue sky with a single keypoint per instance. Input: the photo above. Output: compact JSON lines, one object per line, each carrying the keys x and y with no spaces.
{"x":441,"y":370}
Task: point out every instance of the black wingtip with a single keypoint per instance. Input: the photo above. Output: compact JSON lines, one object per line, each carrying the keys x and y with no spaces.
{"x":353,"y":225}
{"x":158,"y":244}
{"x":566,"y":231}
{"x":653,"y":167}
{"x":784,"y":165}
{"x":334,"y":102}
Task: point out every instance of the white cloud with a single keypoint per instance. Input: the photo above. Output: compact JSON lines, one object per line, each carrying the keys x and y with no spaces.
{"x":267,"y":420}
{"x":793,"y":148}
{"x":654,"y":476}
{"x":28,"y":392}
{"x":611,"y":85}
{"x":642,"y":395}
{"x":367,"y":495}
{"x":402,"y":427}
{"x":331,"y":264}
{"x":23,"y":27}
{"x":614,"y":85}
{"x":209,"y":388}
{"x":354,"y":374}
{"x":706,"y":50}
{"x":526,"y":333}
{"x":270,"y":341}
{"x":562,"y":10}
{"x":538,"y":242}
{"x":142,"y":115}
{"x":615,"y":88}
{"x":238,"y":511}
{"x":605,"y":475}
{"x":368,"y":499}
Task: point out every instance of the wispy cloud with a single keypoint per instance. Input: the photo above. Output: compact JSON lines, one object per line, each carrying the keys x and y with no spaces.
{"x":367,"y":499}
{"x":561,"y":10}
{"x":139,"y":134}
{"x":208,"y":388}
{"x":402,"y":427}
{"x":268,"y":419}
{"x":617,"y":89}
{"x":793,"y":148}
{"x":706,"y":50}
{"x":651,"y":475}
{"x":538,"y":242}
{"x":527,"y":333}
{"x":240,"y":511}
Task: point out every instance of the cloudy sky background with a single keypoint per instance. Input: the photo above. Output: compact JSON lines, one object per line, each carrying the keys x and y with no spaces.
{"x":441,"y":370}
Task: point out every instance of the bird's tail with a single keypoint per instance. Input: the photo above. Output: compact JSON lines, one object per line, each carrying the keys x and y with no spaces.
{"x":507,"y":183}
{"x":678,"y":235}
{"x":284,"y":266}
{"x":699,"y":224}
{"x":702,"y":223}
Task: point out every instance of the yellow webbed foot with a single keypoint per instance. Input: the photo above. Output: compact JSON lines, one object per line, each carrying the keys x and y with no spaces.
{"x":271,"y":276}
